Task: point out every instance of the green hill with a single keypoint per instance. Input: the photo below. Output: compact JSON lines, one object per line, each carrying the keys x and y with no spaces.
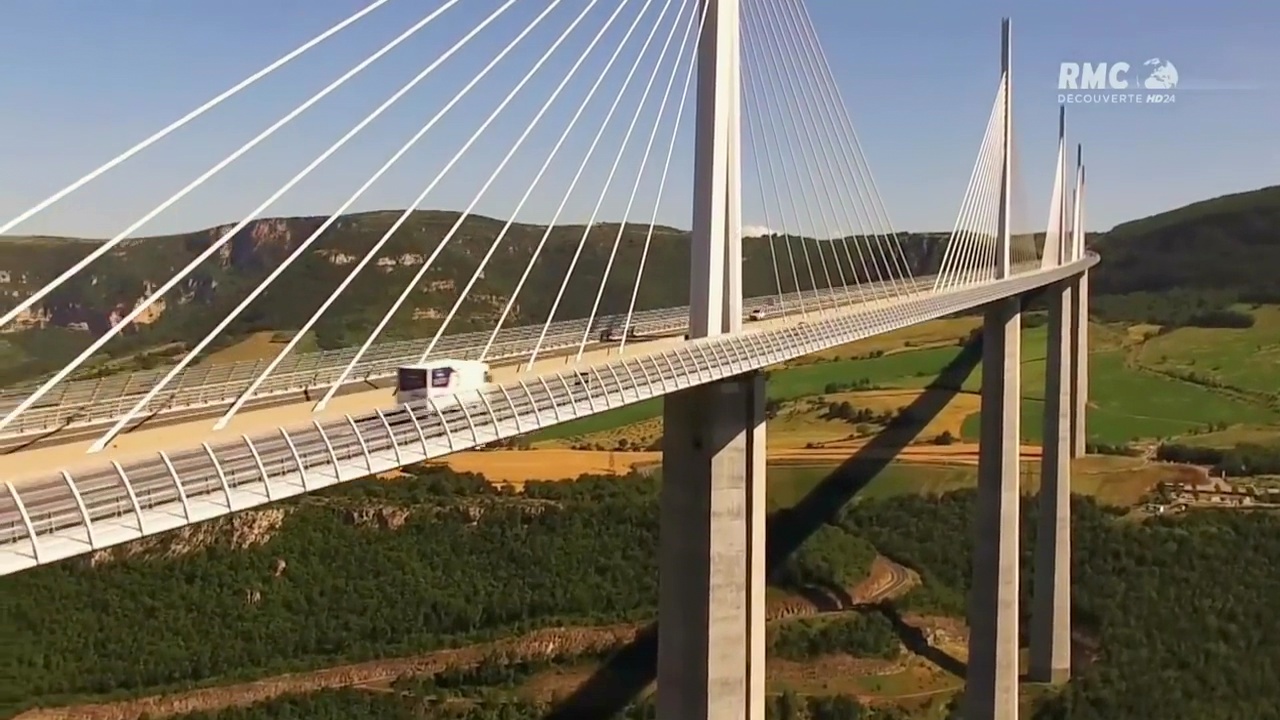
{"x":1197,"y":259}
{"x":1181,"y":267}
{"x":69,"y":318}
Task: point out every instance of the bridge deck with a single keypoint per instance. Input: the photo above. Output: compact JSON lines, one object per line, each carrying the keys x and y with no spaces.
{"x":22,"y":466}
{"x":68,"y":515}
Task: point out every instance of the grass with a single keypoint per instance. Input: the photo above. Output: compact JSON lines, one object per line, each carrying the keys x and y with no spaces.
{"x":896,"y":369}
{"x":1120,"y":481}
{"x":1229,"y":438}
{"x":1127,"y":404}
{"x":789,"y":483}
{"x":1121,"y":391}
{"x":11,"y":354}
{"x":1102,"y":339}
{"x":603,"y":422}
{"x":1246,"y":358}
{"x":934,"y":333}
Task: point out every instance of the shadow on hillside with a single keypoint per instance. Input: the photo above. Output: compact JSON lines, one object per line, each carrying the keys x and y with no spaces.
{"x":626,"y":674}
{"x":915,"y":640}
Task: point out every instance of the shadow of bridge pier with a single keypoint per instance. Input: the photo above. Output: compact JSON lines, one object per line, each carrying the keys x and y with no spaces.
{"x":627,"y":673}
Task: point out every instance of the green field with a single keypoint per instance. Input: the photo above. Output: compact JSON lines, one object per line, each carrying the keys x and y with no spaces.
{"x":1126,"y":402}
{"x":784,"y":384}
{"x":1233,"y":436}
{"x":789,"y":483}
{"x":903,"y":369}
{"x":1114,"y":480}
{"x":1246,"y":358}
{"x":621,"y":417}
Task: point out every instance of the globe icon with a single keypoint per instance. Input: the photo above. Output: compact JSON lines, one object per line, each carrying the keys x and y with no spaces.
{"x":1162,"y":75}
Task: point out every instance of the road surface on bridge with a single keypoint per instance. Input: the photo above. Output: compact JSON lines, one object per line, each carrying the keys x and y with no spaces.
{"x":22,"y":466}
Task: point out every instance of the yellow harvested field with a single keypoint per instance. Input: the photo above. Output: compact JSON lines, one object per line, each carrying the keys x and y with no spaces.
{"x":802,"y":423}
{"x":641,"y":434}
{"x":517,"y":467}
{"x":1138,"y":333}
{"x":955,"y":454}
{"x":1120,"y":481}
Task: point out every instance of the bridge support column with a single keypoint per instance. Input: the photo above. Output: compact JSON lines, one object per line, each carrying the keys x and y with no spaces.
{"x":1079,"y":331}
{"x":1051,"y":601}
{"x":711,"y":643}
{"x":991,"y":691}
{"x":1079,"y":322}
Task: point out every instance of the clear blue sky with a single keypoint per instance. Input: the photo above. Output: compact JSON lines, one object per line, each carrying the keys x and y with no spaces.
{"x":85,"y":79}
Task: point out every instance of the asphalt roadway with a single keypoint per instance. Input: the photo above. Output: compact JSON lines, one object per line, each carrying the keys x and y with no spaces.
{"x":188,"y":428}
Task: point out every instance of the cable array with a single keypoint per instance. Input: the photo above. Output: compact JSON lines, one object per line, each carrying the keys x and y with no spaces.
{"x":805,"y":153}
{"x":1024,"y":241}
{"x":828,"y":243}
{"x":214,"y":247}
{"x":1055,"y":239}
{"x":586,"y":230}
{"x":970,"y":253}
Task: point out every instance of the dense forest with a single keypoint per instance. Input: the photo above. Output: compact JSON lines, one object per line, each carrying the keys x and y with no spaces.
{"x":868,"y":635}
{"x":1242,"y":459}
{"x":332,"y":582}
{"x":1174,"y":616}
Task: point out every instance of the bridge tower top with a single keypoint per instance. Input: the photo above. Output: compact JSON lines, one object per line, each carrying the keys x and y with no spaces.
{"x":1004,"y":241}
{"x":715,"y":280}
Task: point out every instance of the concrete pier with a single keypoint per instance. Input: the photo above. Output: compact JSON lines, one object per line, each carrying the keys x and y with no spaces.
{"x":1051,"y":581}
{"x":1079,"y":332}
{"x":991,"y":691}
{"x":711,"y":644}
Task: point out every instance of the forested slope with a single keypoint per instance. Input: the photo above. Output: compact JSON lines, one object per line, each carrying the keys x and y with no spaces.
{"x":1174,"y":616}
{"x":1202,"y":257}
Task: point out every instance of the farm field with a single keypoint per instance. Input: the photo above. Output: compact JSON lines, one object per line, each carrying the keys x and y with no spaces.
{"x":1129,"y":400}
{"x":1120,"y":481}
{"x":1126,"y":405}
{"x":1247,"y":358}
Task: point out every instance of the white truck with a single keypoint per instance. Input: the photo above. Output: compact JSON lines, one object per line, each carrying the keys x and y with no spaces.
{"x":440,"y":380}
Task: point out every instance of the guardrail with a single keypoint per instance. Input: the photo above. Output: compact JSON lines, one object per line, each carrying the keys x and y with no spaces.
{"x":66,"y":516}
{"x":83,"y":403}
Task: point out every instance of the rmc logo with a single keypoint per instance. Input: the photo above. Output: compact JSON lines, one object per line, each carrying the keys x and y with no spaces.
{"x":1111,"y":83}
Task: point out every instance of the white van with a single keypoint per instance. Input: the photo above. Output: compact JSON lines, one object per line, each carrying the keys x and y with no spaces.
{"x":438,"y":379}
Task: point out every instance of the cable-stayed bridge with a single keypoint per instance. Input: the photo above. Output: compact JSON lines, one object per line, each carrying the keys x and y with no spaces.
{"x":736,"y":98}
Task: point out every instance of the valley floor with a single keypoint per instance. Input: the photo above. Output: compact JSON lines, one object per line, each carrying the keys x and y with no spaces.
{"x":873,"y":681}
